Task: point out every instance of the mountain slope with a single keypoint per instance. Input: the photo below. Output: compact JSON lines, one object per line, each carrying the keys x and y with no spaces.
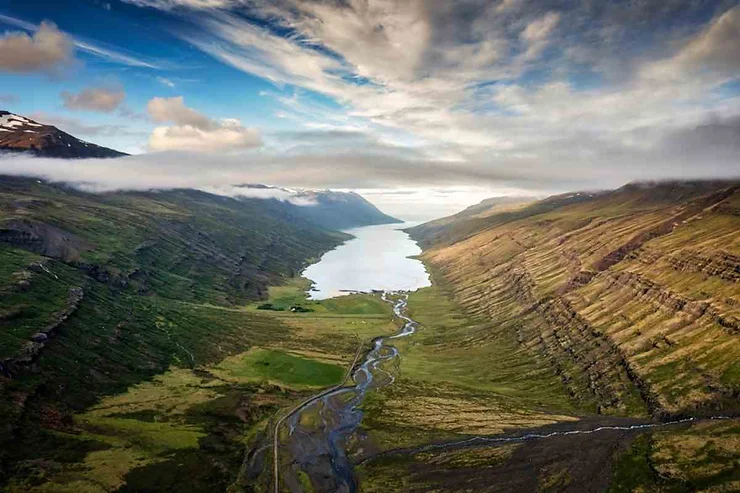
{"x":326,"y":208}
{"x":454,"y":227}
{"x":20,"y":134}
{"x":631,"y":296}
{"x":103,"y":291}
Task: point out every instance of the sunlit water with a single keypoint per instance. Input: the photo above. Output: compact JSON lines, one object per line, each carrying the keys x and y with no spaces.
{"x":377,"y":258}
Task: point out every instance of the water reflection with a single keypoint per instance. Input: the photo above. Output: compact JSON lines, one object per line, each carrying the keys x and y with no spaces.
{"x":377,"y":258}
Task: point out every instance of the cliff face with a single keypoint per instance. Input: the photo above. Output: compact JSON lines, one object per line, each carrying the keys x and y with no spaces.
{"x":632,"y":296}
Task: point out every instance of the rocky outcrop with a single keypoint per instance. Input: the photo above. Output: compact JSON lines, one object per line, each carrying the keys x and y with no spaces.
{"x":597,"y":290}
{"x":652,"y":292}
{"x":723,"y":265}
{"x":42,"y":238}
{"x":28,"y":354}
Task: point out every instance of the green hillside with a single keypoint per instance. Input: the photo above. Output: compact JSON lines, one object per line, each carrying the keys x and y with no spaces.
{"x":104,"y":291}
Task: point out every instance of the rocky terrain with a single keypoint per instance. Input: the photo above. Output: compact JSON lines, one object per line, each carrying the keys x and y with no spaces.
{"x":631,"y":296}
{"x":21,"y":134}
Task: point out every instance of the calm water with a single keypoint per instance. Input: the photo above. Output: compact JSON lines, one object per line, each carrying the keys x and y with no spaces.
{"x":377,"y":258}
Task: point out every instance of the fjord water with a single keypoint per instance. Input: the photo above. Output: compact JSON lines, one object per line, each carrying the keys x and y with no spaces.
{"x":376,"y":258}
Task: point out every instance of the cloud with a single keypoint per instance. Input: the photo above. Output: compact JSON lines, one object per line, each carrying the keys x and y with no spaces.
{"x":163,"y":110}
{"x":295,"y":197}
{"x":534,"y":93}
{"x":229,"y":135}
{"x":76,"y":127}
{"x":165,"y":81}
{"x":195,"y":131}
{"x":47,"y":50}
{"x":98,"y":50}
{"x":9,"y":98}
{"x":171,"y":4}
{"x":717,"y":47}
{"x":551,"y":167}
{"x":101,"y":99}
{"x":537,"y":33}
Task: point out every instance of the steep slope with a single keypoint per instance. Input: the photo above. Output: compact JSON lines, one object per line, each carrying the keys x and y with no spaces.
{"x":631,"y":296}
{"x":101,"y":292}
{"x":20,"y":134}
{"x":465,"y":222}
{"x":342,"y":210}
{"x":326,"y":208}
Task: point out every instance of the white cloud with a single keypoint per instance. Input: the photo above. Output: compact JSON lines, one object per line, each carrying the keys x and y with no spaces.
{"x":715,"y":49}
{"x":171,"y":4}
{"x":47,"y":50}
{"x":105,"y":53}
{"x":537,"y":33}
{"x":229,"y":135}
{"x":195,"y":131}
{"x":102,"y":99}
{"x":466,"y":86}
{"x":165,"y":81}
{"x":163,"y":110}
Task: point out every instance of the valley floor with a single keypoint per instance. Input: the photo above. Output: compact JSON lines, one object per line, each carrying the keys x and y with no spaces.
{"x":207,"y":427}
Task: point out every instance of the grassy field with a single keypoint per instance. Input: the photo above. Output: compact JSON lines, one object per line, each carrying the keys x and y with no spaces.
{"x":459,"y":376}
{"x":702,"y":457}
{"x":190,"y":426}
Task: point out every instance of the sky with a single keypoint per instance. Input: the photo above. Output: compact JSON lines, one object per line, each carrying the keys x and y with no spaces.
{"x":424,"y":106}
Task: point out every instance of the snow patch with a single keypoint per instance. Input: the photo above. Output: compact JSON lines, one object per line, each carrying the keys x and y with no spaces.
{"x":13,"y":121}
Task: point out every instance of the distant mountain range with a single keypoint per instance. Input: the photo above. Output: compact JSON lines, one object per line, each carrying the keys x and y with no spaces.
{"x":326,"y":208}
{"x":21,"y":134}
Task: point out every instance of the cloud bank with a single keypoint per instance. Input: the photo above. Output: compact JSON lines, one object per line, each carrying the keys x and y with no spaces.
{"x":541,"y":87}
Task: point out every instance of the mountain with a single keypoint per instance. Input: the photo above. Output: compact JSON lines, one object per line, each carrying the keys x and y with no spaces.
{"x":103,"y":291}
{"x":631,"y":295}
{"x":468,"y":220}
{"x":326,"y":208}
{"x":20,"y":134}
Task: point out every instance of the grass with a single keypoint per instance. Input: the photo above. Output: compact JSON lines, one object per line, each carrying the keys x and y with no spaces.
{"x":457,"y":376}
{"x":209,"y":403}
{"x":279,"y":367}
{"x":702,"y":457}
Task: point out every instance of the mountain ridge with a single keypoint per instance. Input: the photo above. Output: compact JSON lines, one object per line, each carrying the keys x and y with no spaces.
{"x":21,"y":134}
{"x":610,"y":287}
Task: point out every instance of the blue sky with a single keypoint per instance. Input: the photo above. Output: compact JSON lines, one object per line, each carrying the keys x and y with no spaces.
{"x":513,"y":96}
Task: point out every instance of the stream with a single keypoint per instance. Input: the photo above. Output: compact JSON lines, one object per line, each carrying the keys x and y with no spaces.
{"x":319,"y":431}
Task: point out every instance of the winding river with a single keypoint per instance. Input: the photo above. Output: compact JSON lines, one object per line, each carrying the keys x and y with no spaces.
{"x":321,"y":429}
{"x":317,"y":444}
{"x":378,"y":258}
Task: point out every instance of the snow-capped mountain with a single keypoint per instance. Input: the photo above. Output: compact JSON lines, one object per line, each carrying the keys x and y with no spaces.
{"x":21,"y":134}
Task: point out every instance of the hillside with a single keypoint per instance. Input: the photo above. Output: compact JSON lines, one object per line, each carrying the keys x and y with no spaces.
{"x":21,"y":134}
{"x":578,"y":312}
{"x":326,"y":208}
{"x":468,"y":221}
{"x":342,"y":210}
{"x":630,"y":296}
{"x":103,"y":291}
